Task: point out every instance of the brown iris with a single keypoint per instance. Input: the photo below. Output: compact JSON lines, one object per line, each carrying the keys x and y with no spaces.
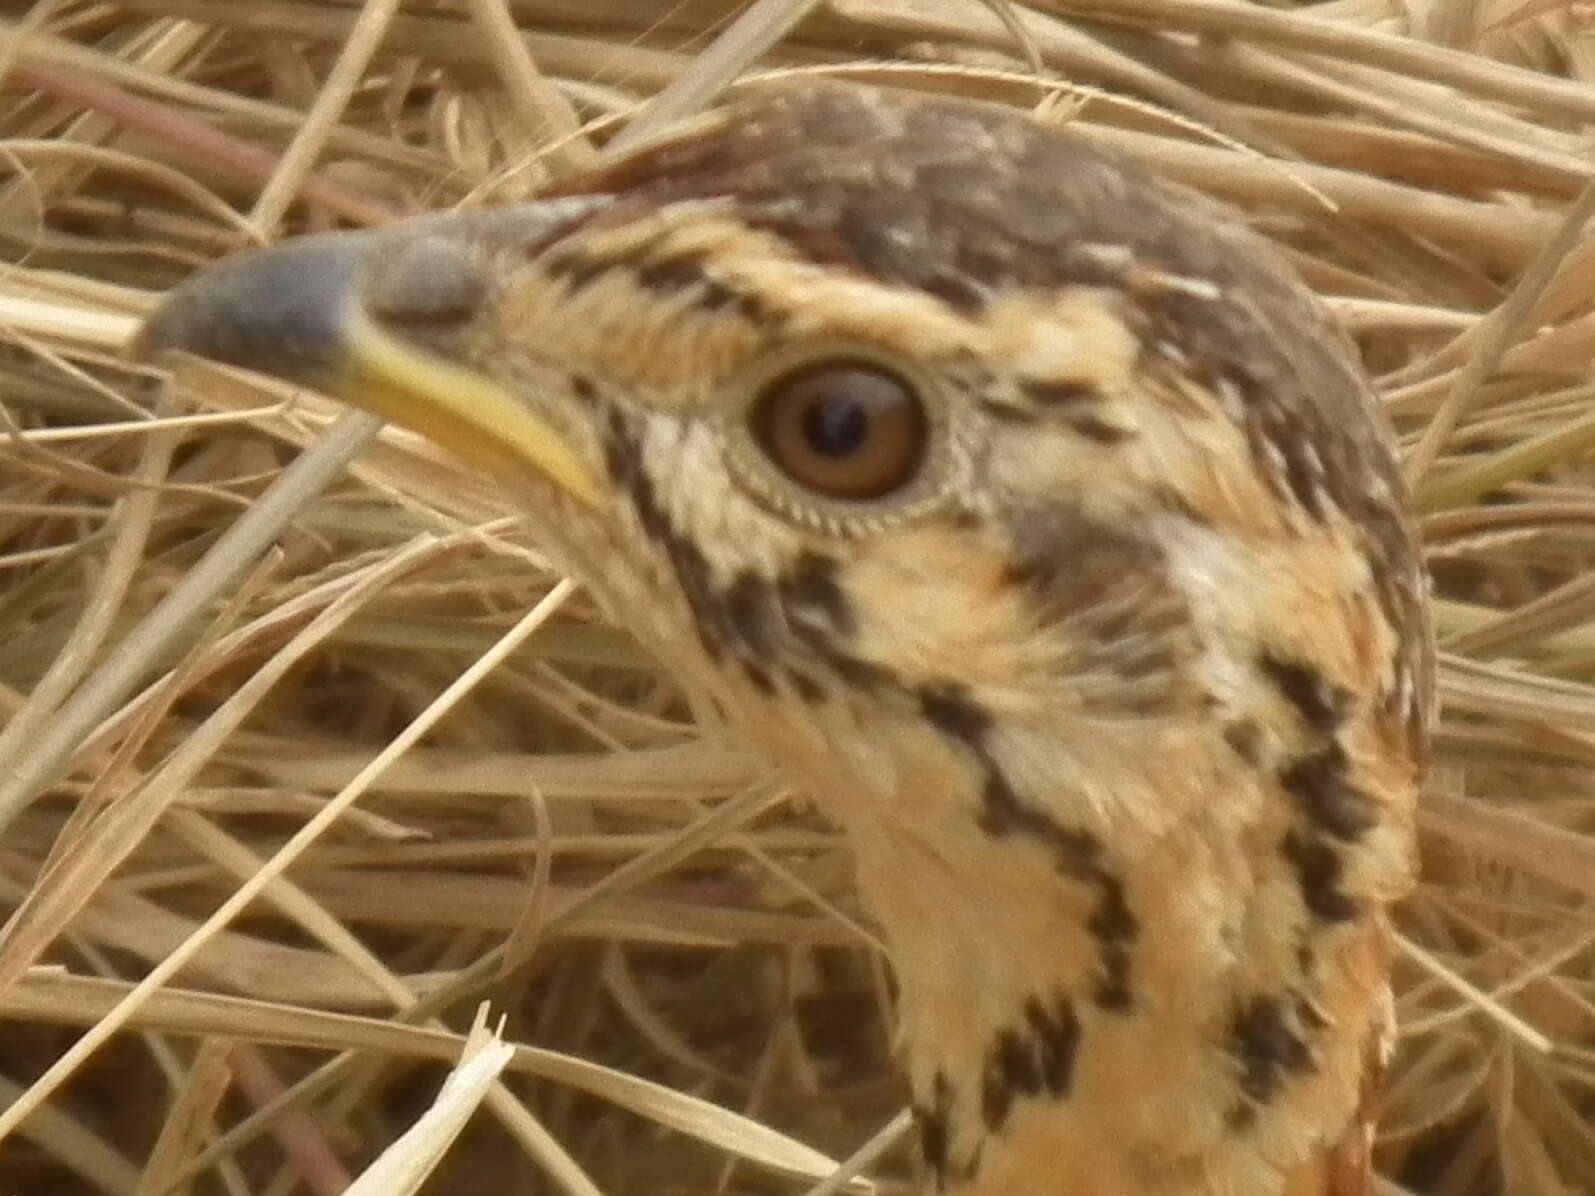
{"x":847,"y":430}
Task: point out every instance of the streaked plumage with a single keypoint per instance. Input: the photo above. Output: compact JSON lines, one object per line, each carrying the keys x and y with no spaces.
{"x":1119,"y":685}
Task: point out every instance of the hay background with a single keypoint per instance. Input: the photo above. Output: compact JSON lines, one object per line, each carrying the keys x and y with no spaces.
{"x":677,"y":916}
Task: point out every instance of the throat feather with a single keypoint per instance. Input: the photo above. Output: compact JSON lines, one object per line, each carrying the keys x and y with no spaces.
{"x":1072,"y":975}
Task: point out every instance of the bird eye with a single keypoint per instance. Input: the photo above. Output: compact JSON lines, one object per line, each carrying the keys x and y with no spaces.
{"x":847,"y":430}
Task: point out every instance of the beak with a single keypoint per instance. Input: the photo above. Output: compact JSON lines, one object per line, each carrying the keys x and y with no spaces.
{"x":371,"y":317}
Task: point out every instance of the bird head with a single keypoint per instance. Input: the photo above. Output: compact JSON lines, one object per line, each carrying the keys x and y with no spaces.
{"x":1024,"y":504}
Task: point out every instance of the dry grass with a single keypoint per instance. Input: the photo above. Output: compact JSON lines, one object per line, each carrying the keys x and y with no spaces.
{"x":208,"y":656}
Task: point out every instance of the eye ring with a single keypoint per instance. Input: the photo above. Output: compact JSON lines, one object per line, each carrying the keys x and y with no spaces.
{"x":845,"y":429}
{"x":940,"y":466}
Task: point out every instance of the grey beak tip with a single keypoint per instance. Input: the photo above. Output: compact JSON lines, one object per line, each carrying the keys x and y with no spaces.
{"x":278,"y":311}
{"x":282,"y":311}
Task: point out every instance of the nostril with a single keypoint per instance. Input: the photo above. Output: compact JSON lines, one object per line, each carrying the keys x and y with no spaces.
{"x":426,"y":280}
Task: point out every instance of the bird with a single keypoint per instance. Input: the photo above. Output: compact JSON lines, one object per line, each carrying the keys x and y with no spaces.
{"x":1028,"y":509}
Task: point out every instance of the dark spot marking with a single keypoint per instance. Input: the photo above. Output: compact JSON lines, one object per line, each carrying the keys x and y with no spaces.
{"x":933,"y":1143}
{"x":810,"y":589}
{"x":1056,"y":1036}
{"x":670,"y":275}
{"x":963,"y":296}
{"x":583,"y":388}
{"x":805,"y":686}
{"x":1113,"y":918}
{"x":673,"y":275}
{"x":1098,"y":430}
{"x":695,"y":574}
{"x":1115,"y":928}
{"x":575,"y":270}
{"x":810,"y":586}
{"x":640,"y":489}
{"x":854,"y":670}
{"x":933,"y":1119}
{"x":1319,"y":783}
{"x":1267,"y":1048}
{"x":1033,"y":1058}
{"x":691,"y":567}
{"x":1321,"y":705}
{"x":1038,"y":572}
{"x":1074,"y":852}
{"x":996,"y":1097}
{"x":1000,"y":811}
{"x":696,"y":578}
{"x":620,"y":450}
{"x":716,"y":296}
{"x":948,"y":707}
{"x":1241,"y":1116}
{"x":1058,"y":394}
{"x":759,"y":677}
{"x":1302,"y":478}
{"x":858,"y":672}
{"x":1007,"y":413}
{"x":1245,"y":740}
{"x":748,"y":603}
{"x":1318,"y":870}
{"x":1170,"y":499}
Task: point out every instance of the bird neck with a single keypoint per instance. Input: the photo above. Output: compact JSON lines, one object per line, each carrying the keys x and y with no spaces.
{"x":1096,"y":999}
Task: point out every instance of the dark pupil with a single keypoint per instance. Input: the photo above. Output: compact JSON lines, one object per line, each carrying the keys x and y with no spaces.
{"x":835,"y":426}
